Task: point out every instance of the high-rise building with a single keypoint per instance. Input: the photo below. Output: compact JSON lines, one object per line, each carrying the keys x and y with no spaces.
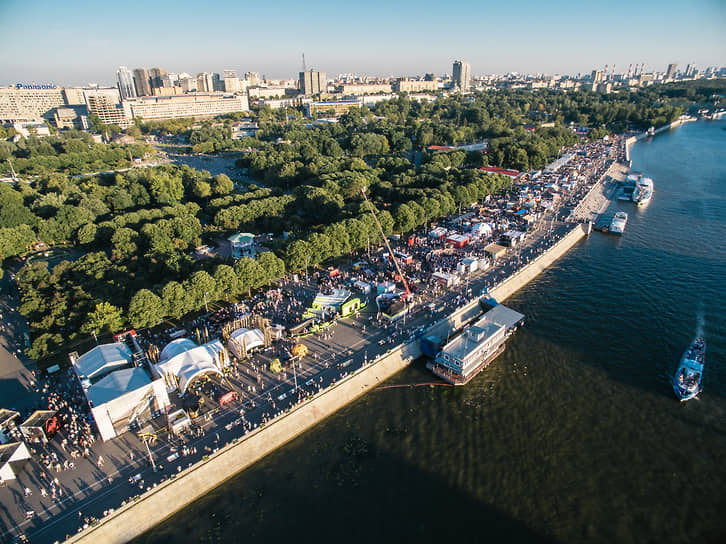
{"x":253,"y":79}
{"x":671,"y":71}
{"x":231,"y":81}
{"x":312,"y":82}
{"x":597,"y":76}
{"x":461,"y":75}
{"x":125,"y":83}
{"x":141,"y":82}
{"x":691,"y":70}
{"x":156,"y":78}
{"x":205,"y":82}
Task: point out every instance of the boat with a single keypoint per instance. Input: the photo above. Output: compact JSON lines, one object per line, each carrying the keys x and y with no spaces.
{"x":643,"y":191}
{"x":618,"y":223}
{"x":687,"y":381}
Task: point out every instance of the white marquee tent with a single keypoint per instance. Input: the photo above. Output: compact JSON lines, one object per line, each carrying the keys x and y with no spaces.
{"x":245,"y":338}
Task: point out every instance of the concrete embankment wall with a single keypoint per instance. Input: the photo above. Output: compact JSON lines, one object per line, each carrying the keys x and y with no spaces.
{"x":521,"y":278}
{"x":153,"y":507}
{"x":630,"y":141}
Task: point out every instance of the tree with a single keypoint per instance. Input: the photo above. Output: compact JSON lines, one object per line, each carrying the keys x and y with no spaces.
{"x":174,"y":299}
{"x":271,"y":266}
{"x":166,"y":189}
{"x":227,"y":281}
{"x":202,"y":285}
{"x":201,"y":189}
{"x":104,"y":318}
{"x":249,"y":273}
{"x":222,"y":185}
{"x":145,"y":309}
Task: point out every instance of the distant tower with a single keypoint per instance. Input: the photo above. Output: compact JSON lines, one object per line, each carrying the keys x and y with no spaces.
{"x":125,"y":83}
{"x":313,"y":82}
{"x":461,"y":75}
{"x":141,"y":82}
{"x":671,"y":71}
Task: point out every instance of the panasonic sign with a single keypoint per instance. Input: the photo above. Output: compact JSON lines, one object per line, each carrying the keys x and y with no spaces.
{"x":35,"y":86}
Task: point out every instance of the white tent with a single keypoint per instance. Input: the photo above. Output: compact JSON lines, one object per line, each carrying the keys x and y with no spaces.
{"x":245,"y":338}
{"x":12,"y":458}
{"x":101,"y":360}
{"x":190,"y":372}
{"x":175,"y":347}
{"x":119,"y":396}
{"x":184,"y":358}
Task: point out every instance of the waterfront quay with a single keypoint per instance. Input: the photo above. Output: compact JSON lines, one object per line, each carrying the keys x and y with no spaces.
{"x":66,"y":487}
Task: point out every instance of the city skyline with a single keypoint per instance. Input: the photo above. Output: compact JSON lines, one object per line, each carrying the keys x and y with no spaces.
{"x":76,"y":47}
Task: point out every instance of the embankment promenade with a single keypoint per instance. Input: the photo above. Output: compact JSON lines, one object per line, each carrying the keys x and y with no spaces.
{"x":151,"y":508}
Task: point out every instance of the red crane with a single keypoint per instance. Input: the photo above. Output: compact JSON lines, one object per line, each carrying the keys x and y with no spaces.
{"x":385,"y":240}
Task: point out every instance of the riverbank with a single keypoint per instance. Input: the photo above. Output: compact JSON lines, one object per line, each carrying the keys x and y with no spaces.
{"x":159,"y":503}
{"x":678,"y":122}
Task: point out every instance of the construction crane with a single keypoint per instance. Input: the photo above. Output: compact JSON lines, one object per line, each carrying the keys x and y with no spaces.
{"x":385,"y":240}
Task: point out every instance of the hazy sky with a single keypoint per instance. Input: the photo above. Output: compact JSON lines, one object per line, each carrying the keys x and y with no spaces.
{"x":80,"y":41}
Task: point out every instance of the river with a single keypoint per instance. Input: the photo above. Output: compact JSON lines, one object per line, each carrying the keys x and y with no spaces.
{"x":572,"y":435}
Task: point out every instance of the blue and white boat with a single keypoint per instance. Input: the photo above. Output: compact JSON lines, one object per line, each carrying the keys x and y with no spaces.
{"x":687,"y":381}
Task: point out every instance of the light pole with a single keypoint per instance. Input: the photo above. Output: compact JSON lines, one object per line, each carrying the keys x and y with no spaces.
{"x":294,"y":374}
{"x":206,"y":307}
{"x":307,"y":260}
{"x":151,"y":457}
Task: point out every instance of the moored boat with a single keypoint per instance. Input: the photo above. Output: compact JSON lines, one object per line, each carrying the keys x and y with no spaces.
{"x":643,"y":191}
{"x":687,"y":381}
{"x":618,"y":223}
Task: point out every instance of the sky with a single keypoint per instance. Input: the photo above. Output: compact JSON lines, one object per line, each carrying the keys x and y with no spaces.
{"x":76,"y":42}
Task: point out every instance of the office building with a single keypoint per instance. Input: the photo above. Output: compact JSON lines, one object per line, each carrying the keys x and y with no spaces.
{"x":365,"y":88}
{"x":461,"y":75}
{"x":188,"y":84}
{"x":313,"y":82}
{"x":205,"y":82}
{"x":187,"y":105}
{"x":405,"y":85}
{"x":125,"y":82}
{"x":106,"y":104}
{"x":141,"y":82}
{"x":20,"y":103}
{"x":253,"y":79}
{"x":671,"y":71}
{"x":231,"y":81}
{"x":156,"y":78}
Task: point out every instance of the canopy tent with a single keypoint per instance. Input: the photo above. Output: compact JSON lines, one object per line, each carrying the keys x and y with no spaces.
{"x":175,"y":347}
{"x":183,"y":354}
{"x":101,"y":360}
{"x":119,"y":398}
{"x":41,"y":426}
{"x":12,"y":459}
{"x":179,"y":421}
{"x":243,"y":341}
{"x":193,"y":371}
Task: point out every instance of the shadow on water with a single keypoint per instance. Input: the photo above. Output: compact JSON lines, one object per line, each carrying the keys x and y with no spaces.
{"x":363,"y":495}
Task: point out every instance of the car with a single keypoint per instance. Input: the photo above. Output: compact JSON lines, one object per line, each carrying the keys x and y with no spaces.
{"x":282,"y":397}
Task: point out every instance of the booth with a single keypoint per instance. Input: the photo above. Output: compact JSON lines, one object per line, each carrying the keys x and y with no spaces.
{"x":8,"y":420}
{"x":13,"y":457}
{"x":41,"y":426}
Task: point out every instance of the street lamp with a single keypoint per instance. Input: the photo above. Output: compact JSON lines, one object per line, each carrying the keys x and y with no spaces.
{"x":206,"y":307}
{"x":307,"y":260}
